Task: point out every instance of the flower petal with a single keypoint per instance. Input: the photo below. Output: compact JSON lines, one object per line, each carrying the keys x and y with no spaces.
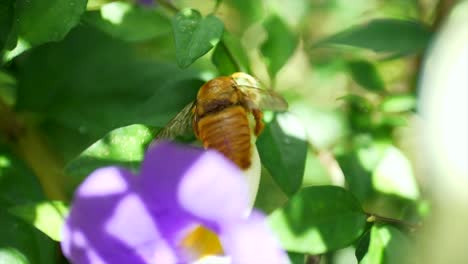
{"x":252,"y":242}
{"x":214,"y":189}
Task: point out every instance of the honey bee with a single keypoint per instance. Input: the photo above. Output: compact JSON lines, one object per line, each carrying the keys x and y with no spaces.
{"x":227,"y":116}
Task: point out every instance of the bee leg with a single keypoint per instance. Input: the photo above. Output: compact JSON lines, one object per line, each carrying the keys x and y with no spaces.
{"x":258,"y":115}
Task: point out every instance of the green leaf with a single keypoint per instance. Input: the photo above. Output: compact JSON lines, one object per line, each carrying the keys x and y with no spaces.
{"x":229,"y":56}
{"x":107,"y":86}
{"x":319,"y":219}
{"x":249,"y":11}
{"x":365,"y":74}
{"x":398,"y":103}
{"x":387,"y":245}
{"x":42,"y":21}
{"x":18,"y":184}
{"x":6,"y":21}
{"x":129,"y":22}
{"x":123,"y":146}
{"x":296,"y":258}
{"x":397,"y":37}
{"x":283,"y":150}
{"x":363,"y":246}
{"x":194,"y":35}
{"x":394,"y":175}
{"x":279,"y":46}
{"x":269,"y":195}
{"x":47,"y":216}
{"x":23,"y":244}
{"x":358,"y":179}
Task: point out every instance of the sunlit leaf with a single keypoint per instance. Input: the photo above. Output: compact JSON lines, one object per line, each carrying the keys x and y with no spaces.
{"x":394,"y":175}
{"x":393,"y":36}
{"x":365,"y":74}
{"x":230,"y":56}
{"x":387,"y":245}
{"x":398,"y":103}
{"x":358,"y":179}
{"x":123,"y":146}
{"x":283,"y":150}
{"x":280,"y":44}
{"x":319,"y":219}
{"x":47,"y":216}
{"x":23,"y":244}
{"x":129,"y":22}
{"x":195,"y":35}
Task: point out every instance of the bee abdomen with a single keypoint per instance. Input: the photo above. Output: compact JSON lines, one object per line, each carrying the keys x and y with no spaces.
{"x":228,"y":131}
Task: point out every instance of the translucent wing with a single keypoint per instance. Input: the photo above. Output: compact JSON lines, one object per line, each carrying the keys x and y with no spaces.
{"x":256,"y":97}
{"x":181,"y":124}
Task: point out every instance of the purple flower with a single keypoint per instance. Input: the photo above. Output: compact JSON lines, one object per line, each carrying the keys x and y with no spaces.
{"x":187,"y":204}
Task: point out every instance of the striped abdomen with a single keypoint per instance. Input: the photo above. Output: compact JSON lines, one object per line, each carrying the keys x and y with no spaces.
{"x":227,"y":131}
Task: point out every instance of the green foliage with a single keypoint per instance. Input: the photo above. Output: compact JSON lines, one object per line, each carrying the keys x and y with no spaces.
{"x":41,"y":21}
{"x":280,"y":44}
{"x":393,"y":36}
{"x":230,"y":56}
{"x":387,"y":245}
{"x":283,"y":149}
{"x":14,"y":172}
{"x":319,"y":219}
{"x":22,"y":244}
{"x":95,"y":84}
{"x":120,"y":19}
{"x":82,"y":106}
{"x":46,"y":216}
{"x":195,"y":35}
{"x":6,"y":21}
{"x":365,"y":74}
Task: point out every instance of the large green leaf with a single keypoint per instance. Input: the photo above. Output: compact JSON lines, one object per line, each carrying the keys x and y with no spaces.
{"x":387,"y":245}
{"x":397,"y":37}
{"x":129,"y":22}
{"x":195,"y":35}
{"x":319,"y":219}
{"x":230,"y":56}
{"x":91,"y":83}
{"x":283,"y":150}
{"x":280,"y":44}
{"x":42,"y":21}
{"x":46,"y":216}
{"x":366,"y":75}
{"x":23,"y":244}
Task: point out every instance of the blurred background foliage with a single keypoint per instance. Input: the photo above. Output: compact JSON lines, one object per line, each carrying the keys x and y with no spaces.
{"x":85,"y":84}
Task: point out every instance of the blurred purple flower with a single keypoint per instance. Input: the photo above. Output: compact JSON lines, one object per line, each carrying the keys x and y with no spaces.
{"x":162,"y":215}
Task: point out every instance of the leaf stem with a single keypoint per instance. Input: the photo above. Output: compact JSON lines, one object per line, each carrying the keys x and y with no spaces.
{"x":374,"y":218}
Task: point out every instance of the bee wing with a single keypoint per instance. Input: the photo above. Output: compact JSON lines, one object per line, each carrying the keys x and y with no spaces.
{"x":179,"y":125}
{"x":257,"y":98}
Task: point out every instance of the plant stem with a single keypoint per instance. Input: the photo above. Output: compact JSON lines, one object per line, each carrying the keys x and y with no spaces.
{"x":32,"y":148}
{"x":382,"y":219}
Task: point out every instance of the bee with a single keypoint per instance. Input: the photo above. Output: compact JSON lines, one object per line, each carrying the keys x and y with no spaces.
{"x":227,"y":116}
